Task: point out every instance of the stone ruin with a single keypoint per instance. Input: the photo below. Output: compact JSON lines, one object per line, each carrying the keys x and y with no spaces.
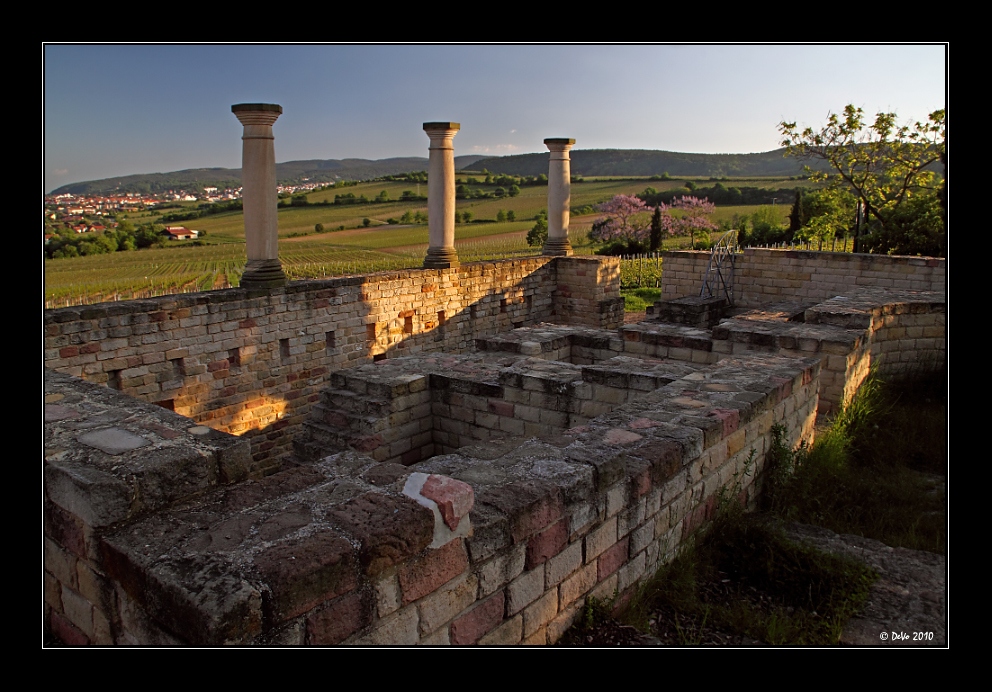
{"x":462,"y":454}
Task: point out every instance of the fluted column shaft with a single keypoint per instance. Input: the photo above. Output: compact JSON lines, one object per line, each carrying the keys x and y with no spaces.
{"x":441,"y":196}
{"x":258,"y":194}
{"x":559,"y":197}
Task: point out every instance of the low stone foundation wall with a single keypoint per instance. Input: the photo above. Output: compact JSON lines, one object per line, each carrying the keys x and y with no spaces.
{"x":350,"y":550}
{"x":893,"y":330}
{"x":764,"y":276}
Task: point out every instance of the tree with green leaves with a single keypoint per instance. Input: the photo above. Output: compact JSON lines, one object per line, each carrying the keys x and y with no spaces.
{"x":511,"y":215}
{"x":884,"y":165}
{"x":500,"y":216}
{"x":538,"y":233}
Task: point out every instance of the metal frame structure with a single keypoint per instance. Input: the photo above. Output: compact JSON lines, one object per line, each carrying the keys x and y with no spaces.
{"x":720,"y":269}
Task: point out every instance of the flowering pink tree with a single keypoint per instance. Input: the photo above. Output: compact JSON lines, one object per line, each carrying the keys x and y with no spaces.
{"x":690,"y":217}
{"x":621,"y":223}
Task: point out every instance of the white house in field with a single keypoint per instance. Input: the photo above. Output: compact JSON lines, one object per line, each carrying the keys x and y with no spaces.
{"x":180,"y":233}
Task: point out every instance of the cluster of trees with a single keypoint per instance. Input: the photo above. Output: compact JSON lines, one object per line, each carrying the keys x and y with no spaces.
{"x":123,"y":238}
{"x":881,"y":179}
{"x":626,"y":228}
{"x":411,"y":177}
{"x":717,"y":194}
{"x":202,"y":210}
{"x":504,"y":185}
{"x":466,"y":192}
{"x":410,"y":217}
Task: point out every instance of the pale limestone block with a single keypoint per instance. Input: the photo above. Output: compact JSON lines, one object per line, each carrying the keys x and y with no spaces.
{"x":440,"y":607}
{"x":565,"y":563}
{"x":508,"y":633}
{"x":577,"y":585}
{"x":601,"y":539}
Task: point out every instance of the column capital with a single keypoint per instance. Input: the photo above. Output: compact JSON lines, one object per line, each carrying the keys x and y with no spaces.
{"x":257,"y":113}
{"x":441,"y":127}
{"x":441,"y":134}
{"x":559,"y":143}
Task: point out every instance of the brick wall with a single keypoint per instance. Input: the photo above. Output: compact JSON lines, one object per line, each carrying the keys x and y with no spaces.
{"x":254,"y":363}
{"x":764,"y":276}
{"x":154,"y":536}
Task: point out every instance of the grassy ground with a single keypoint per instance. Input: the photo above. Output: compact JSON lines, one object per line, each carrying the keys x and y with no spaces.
{"x":878,"y":472}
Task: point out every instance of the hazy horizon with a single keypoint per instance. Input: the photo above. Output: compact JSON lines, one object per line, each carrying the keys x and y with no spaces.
{"x":116,"y":110}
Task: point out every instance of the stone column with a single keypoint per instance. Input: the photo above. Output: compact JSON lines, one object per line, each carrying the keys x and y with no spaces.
{"x":441,"y":196}
{"x":258,"y":194}
{"x":559,"y":197}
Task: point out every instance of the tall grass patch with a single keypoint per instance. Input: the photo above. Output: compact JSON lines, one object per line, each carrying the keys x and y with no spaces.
{"x":879,"y":471}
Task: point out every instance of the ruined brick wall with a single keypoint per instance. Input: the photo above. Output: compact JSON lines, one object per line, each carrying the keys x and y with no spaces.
{"x":253,"y":363}
{"x":154,"y":536}
{"x":768,"y":276}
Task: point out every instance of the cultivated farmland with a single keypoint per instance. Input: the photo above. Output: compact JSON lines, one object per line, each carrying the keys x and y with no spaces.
{"x":220,"y":258}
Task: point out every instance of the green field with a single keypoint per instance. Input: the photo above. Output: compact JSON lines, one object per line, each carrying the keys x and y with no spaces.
{"x":183,"y":267}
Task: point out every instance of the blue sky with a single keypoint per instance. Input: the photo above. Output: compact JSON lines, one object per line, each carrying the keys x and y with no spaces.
{"x":120,"y":109}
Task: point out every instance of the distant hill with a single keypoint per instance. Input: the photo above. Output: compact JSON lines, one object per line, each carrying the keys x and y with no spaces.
{"x":592,"y":162}
{"x":585,"y":162}
{"x":313,"y":170}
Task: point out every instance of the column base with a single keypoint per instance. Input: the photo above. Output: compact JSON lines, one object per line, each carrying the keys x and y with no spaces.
{"x":263,"y":274}
{"x":441,"y":258}
{"x":557,"y":247}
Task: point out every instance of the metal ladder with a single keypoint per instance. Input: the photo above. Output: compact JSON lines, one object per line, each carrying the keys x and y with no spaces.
{"x":719,"y":276}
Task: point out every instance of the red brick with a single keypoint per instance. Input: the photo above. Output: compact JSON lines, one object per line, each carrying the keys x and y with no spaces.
{"x":783,"y":387}
{"x":69,"y":352}
{"x":454,"y":498}
{"x":65,"y":529}
{"x":530,"y":506}
{"x":303,"y":573}
{"x":642,"y":483}
{"x":67,"y":632}
{"x":547,"y":544}
{"x":247,"y":324}
{"x":426,"y":574}
{"x":501,"y":408}
{"x":479,"y":621}
{"x":90,"y":348}
{"x":698,"y":516}
{"x":611,"y":560}
{"x":339,"y":620}
{"x":218,"y":365}
{"x":730,"y":418}
{"x":366,"y":444}
{"x":389,"y":529}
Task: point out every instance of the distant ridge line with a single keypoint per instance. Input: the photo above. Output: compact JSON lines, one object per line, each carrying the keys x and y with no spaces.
{"x":585,"y":162}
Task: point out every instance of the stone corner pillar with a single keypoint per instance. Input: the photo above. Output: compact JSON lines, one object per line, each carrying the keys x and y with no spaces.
{"x":259,"y":196}
{"x":441,"y":196}
{"x":559,"y":197}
